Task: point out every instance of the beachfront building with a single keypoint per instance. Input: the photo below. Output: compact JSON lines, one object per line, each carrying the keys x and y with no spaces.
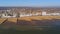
{"x":7,"y":14}
{"x":44,"y":13}
{"x":53,"y":14}
{"x":12,"y":13}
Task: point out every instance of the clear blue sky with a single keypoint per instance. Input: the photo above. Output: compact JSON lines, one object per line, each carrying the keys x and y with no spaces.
{"x":33,"y":3}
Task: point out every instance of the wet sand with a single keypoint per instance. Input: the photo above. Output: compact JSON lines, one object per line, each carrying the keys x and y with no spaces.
{"x":31,"y":27}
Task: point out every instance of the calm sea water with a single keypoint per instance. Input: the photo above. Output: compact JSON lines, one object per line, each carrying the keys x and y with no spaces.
{"x":48,"y":29}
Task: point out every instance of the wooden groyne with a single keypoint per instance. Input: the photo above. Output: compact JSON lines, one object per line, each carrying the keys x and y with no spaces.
{"x":2,"y":20}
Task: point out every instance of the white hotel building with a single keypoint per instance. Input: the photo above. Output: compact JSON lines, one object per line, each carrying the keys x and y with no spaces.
{"x":50,"y":14}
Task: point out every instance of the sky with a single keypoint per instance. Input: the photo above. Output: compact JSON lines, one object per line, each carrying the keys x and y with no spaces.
{"x":31,"y":3}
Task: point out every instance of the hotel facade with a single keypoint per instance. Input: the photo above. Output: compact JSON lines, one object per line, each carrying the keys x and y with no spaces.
{"x":12,"y":13}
